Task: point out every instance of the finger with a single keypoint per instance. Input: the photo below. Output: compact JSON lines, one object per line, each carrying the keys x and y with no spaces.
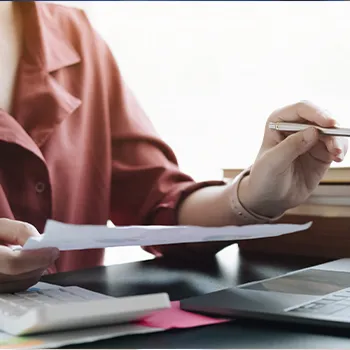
{"x":4,"y":278}
{"x":341,"y":143}
{"x":321,"y":154}
{"x":304,"y":111}
{"x":285,"y":153}
{"x":337,"y":146}
{"x":331,"y":144}
{"x":16,"y":232}
{"x":19,"y":285}
{"x":155,"y":250}
{"x":18,"y":262}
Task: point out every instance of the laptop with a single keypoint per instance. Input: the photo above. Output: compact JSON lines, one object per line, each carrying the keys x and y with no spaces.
{"x":319,"y":295}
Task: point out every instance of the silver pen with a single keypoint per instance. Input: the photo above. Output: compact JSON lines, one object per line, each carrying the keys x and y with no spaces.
{"x":295,"y":127}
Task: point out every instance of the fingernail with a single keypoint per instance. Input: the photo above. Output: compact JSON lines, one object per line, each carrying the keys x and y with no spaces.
{"x":309,"y":135}
{"x":336,"y":147}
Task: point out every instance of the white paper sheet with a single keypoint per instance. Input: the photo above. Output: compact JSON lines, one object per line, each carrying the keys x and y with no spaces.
{"x":77,"y":237}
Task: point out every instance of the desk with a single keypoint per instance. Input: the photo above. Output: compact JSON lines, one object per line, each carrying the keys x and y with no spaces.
{"x":228,"y":268}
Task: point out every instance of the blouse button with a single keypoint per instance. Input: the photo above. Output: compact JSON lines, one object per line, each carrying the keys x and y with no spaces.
{"x":40,"y":187}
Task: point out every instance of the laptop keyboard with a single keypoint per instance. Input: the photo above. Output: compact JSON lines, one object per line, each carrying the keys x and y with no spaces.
{"x":337,"y":304}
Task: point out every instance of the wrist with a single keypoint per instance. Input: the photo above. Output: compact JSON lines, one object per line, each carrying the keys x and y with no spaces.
{"x":244,"y":207}
{"x":260,"y":207}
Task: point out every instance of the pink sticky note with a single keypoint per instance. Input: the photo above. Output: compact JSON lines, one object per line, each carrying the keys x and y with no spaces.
{"x":177,"y":318}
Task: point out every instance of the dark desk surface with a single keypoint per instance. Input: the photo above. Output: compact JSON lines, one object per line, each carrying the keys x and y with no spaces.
{"x":181,"y":280}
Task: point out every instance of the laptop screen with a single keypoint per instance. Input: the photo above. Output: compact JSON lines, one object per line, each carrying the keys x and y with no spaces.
{"x":311,"y":281}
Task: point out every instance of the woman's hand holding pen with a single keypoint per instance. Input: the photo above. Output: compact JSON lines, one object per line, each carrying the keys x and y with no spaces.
{"x":289,"y":167}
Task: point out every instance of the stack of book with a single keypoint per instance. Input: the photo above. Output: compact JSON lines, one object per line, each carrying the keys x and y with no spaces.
{"x":334,"y":188}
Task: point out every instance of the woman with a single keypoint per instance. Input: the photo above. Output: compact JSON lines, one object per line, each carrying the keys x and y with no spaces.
{"x":75,"y":146}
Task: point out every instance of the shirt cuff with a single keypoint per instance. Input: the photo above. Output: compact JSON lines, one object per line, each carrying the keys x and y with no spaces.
{"x":166,"y":212}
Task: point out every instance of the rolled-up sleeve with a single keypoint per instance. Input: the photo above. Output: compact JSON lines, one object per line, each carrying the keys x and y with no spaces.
{"x":147,"y":184}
